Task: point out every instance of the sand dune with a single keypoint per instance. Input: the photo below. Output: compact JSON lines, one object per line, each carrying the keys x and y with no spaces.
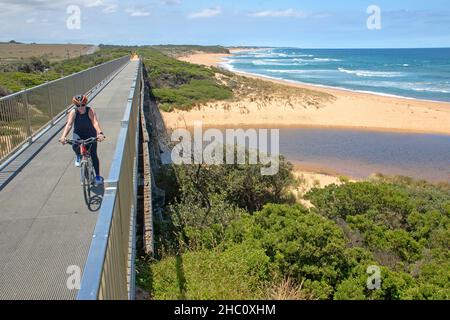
{"x":327,"y":108}
{"x":347,"y":110}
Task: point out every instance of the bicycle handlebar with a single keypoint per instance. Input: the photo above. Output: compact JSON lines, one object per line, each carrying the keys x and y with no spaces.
{"x":85,"y":142}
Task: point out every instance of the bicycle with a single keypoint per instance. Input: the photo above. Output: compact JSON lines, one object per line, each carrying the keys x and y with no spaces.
{"x":87,"y":172}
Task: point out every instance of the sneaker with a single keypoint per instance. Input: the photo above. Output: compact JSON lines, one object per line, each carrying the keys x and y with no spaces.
{"x":78,"y":161}
{"x":98,"y":180}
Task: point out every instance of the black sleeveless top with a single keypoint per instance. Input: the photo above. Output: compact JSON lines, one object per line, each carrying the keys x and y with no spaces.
{"x":83,"y":126}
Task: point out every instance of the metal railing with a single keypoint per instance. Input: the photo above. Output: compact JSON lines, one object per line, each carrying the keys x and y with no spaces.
{"x":109,"y":270}
{"x":23,"y":115}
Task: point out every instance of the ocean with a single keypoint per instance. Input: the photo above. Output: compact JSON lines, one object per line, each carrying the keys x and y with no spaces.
{"x":412,"y":73}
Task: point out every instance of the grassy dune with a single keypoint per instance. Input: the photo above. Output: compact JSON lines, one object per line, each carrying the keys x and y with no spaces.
{"x":181,"y":85}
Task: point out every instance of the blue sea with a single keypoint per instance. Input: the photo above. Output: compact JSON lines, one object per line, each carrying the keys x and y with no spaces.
{"x":412,"y":73}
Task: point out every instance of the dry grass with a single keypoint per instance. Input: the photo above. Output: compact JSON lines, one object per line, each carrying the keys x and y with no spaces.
{"x":264,"y":93}
{"x":287,"y":289}
{"x":53,"y":52}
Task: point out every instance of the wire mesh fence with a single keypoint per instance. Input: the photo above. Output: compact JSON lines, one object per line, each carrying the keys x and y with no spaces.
{"x":24,"y":114}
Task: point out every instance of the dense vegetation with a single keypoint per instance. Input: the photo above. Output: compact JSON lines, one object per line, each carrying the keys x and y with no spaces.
{"x":182,"y":50}
{"x":231,"y":233}
{"x":178,"y":84}
{"x":27,"y":73}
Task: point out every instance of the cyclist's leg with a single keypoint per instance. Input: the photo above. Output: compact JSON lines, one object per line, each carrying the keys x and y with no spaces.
{"x":76,"y":147}
{"x":95,"y":160}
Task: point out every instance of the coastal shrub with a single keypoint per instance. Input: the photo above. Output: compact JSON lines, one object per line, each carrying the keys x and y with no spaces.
{"x":392,"y":286}
{"x":395,"y":218}
{"x":239,"y":184}
{"x":352,"y":199}
{"x":4,"y":92}
{"x":17,"y":76}
{"x":240,"y":272}
{"x":209,"y":198}
{"x":231,"y":215}
{"x":34,"y":65}
{"x":183,"y":50}
{"x":300,"y":245}
{"x":196,"y":91}
{"x":181,"y":85}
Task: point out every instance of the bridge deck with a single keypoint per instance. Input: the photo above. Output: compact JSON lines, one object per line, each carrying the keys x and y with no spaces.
{"x":45,"y":224}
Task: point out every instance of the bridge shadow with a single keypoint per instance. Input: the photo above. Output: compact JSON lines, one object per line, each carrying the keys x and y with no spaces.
{"x":94,"y":203}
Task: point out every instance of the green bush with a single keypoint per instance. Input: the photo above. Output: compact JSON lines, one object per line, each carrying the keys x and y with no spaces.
{"x":392,"y":285}
{"x":178,"y":84}
{"x":407,"y":237}
{"x":209,"y":198}
{"x":36,"y":71}
{"x":300,"y":244}
{"x":240,"y":272}
{"x":183,"y":50}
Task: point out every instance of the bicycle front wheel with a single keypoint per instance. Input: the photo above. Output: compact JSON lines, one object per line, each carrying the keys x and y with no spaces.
{"x":87,"y":180}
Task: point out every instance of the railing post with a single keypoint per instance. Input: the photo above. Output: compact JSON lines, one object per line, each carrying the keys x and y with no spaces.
{"x":50,"y":102}
{"x":91,"y":83}
{"x":27,"y":116}
{"x":66,"y":92}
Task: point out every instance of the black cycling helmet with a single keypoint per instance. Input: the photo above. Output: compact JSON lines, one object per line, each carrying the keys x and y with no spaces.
{"x":80,"y":100}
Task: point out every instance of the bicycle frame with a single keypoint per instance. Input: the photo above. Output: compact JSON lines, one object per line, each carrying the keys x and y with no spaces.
{"x":86,"y":162}
{"x":84,"y":150}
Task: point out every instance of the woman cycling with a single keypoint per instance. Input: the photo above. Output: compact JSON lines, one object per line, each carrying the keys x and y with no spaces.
{"x":86,"y":126}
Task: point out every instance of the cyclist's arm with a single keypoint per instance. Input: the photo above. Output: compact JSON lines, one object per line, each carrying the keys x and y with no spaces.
{"x":68,"y":126}
{"x":95,"y":123}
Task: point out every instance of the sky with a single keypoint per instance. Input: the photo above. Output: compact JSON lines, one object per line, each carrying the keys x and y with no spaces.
{"x":280,"y":23}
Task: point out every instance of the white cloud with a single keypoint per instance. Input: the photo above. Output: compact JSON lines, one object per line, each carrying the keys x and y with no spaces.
{"x":171,"y":2}
{"x":14,"y":7}
{"x":93,"y":3}
{"x":133,"y":12}
{"x":31,"y":20}
{"x":206,"y":13}
{"x":108,"y":6}
{"x":281,"y":13}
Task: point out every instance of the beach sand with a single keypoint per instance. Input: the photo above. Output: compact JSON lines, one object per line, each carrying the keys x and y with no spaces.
{"x":312,"y":177}
{"x":348,"y":110}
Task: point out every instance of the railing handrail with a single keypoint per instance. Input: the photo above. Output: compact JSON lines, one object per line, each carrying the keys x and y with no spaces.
{"x":55,"y":99}
{"x":59,"y":79}
{"x":93,"y":271}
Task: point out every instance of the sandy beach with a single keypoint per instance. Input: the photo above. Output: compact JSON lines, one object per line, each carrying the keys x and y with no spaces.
{"x":348,"y":109}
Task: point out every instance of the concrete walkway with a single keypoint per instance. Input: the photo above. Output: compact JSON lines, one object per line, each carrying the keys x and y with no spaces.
{"x":45,"y":224}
